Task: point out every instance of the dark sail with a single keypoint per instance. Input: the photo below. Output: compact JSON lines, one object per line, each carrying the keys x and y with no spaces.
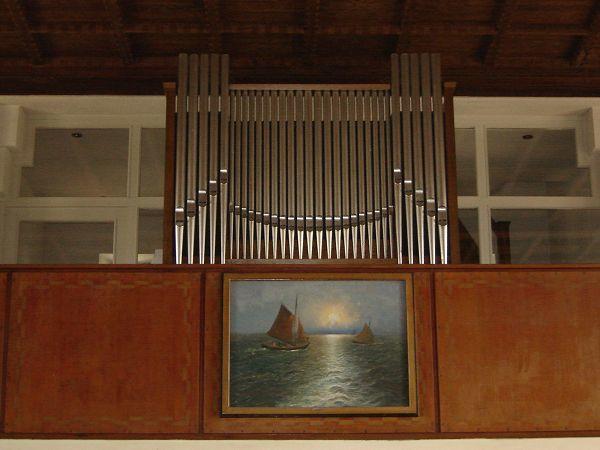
{"x":283,"y":327}
{"x":365,"y":336}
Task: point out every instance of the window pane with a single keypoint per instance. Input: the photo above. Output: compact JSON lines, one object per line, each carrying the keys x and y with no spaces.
{"x":535,"y":162}
{"x":64,"y":243}
{"x":546,"y":236}
{"x":152,"y":162}
{"x":465,"y":161}
{"x":77,"y":163}
{"x":469,"y":236}
{"x":150,"y":235}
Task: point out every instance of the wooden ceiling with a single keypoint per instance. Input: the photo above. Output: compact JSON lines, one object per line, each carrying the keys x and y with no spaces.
{"x":490,"y":47}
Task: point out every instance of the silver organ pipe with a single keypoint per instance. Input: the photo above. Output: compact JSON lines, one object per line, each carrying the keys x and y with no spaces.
{"x":353,"y":172}
{"x":180,"y":157}
{"x":282,"y":179}
{"x":266,"y":175}
{"x":274,"y":211}
{"x":258,"y":151}
{"x":337,"y":166}
{"x":309,"y":220}
{"x":291,"y":169}
{"x":252,"y":187}
{"x":360,"y":171}
{"x":299,"y":175}
{"x":310,"y":172}
{"x":224,"y":133}
{"x":327,"y":178}
{"x":440,"y":159}
{"x":345,"y":169}
{"x":318,"y":171}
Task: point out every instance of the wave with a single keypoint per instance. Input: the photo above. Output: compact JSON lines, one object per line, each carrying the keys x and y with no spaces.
{"x":324,"y":375}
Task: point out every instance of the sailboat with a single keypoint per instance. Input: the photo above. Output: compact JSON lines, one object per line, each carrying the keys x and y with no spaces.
{"x":287,"y":330}
{"x":365,"y":336}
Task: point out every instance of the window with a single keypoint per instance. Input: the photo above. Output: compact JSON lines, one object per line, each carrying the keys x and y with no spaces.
{"x":535,"y":162}
{"x":469,"y":235}
{"x":64,"y":243}
{"x":548,"y":236}
{"x":86,"y":190}
{"x":526,"y":194}
{"x":150,"y":235}
{"x":465,"y":161}
{"x":77,"y":163}
{"x":152,"y":162}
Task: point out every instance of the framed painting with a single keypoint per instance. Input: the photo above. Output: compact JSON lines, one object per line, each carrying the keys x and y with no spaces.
{"x":318,"y":344}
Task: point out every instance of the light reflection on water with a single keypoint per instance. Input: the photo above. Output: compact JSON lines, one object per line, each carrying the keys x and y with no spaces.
{"x":331,"y":372}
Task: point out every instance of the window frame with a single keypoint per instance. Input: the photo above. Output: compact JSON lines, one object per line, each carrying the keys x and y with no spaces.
{"x":122,"y":211}
{"x":485,"y":203}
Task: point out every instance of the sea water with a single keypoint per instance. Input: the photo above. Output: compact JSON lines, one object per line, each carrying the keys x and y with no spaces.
{"x":331,"y":372}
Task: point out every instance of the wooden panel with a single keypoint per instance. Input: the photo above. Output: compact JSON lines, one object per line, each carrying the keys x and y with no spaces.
{"x":3,"y":305}
{"x":423,"y":422}
{"x":103,"y":353}
{"x":518,"y":351}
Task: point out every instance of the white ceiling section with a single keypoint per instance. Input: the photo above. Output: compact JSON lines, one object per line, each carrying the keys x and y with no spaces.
{"x":524,"y":106}
{"x":145,"y":104}
{"x":87,"y":104}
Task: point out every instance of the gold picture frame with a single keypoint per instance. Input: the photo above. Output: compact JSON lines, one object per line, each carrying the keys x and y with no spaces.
{"x":411,"y":383}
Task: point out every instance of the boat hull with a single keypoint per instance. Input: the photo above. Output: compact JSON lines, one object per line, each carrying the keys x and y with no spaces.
{"x":272,"y":345}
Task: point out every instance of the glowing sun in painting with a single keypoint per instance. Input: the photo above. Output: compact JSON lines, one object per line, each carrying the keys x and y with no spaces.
{"x":333,"y":319}
{"x":336,"y":316}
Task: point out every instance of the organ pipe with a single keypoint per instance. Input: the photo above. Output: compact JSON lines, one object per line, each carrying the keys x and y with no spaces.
{"x":310,"y":172}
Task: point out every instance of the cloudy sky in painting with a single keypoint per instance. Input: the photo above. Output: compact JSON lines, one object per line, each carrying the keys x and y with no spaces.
{"x":340,"y":306}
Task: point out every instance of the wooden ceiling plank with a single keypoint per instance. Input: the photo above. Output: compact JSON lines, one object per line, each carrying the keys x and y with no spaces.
{"x":213,"y":25}
{"x":117,"y":21}
{"x":415,"y":28}
{"x":403,"y":39}
{"x":312,"y":27}
{"x":586,"y":44}
{"x":31,"y":46}
{"x":502,"y":22}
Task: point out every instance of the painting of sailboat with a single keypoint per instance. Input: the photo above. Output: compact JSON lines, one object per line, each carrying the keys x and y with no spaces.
{"x":327,"y":344}
{"x":287,"y":331}
{"x":365,"y":336}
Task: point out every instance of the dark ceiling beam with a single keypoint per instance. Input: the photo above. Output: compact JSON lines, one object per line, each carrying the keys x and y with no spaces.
{"x":312,"y":27}
{"x":502,"y":22}
{"x":467,"y":85}
{"x":22,"y":28}
{"x":587,"y":43}
{"x":116,"y":17}
{"x":414,"y":28}
{"x":158,"y":66}
{"x":213,"y":25}
{"x":403,"y":39}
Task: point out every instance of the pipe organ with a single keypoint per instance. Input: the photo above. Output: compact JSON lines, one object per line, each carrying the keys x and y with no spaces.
{"x":310,"y":171}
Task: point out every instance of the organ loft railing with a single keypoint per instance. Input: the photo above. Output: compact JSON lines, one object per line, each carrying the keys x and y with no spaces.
{"x":310,"y":171}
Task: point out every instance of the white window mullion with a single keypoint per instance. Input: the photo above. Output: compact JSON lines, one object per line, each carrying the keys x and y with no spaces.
{"x":483,"y":193}
{"x":486,"y":249}
{"x":135,"y":143}
{"x":126,"y":225}
{"x":481,"y":162}
{"x":531,"y":202}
